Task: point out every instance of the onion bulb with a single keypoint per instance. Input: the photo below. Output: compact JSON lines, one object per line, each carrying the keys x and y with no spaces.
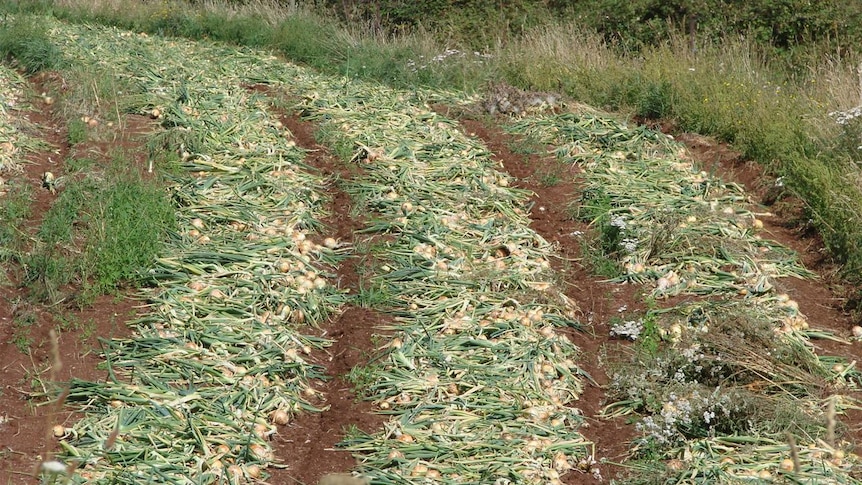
{"x":280,"y":417}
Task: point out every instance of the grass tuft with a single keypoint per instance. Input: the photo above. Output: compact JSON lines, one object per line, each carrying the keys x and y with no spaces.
{"x":102,"y":230}
{"x":26,"y":42}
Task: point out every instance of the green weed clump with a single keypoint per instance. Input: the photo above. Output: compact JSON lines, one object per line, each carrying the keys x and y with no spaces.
{"x":134,"y":217}
{"x":14,"y":210}
{"x":102,"y":230}
{"x":27,"y":44}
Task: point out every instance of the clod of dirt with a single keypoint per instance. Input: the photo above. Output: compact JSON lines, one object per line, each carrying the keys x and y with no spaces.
{"x":342,"y":479}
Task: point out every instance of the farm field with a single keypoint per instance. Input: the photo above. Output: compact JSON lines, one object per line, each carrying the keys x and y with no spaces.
{"x":409,"y":285}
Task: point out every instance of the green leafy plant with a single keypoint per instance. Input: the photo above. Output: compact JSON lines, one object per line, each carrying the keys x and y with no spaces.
{"x":77,"y":131}
{"x":22,"y":331}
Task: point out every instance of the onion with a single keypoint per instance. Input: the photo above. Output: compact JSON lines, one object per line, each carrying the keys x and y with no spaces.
{"x":261,"y":452}
{"x":59,"y":431}
{"x":234,"y":472}
{"x":261,"y":430}
{"x":280,"y":417}
{"x":253,"y":471}
{"x":406,"y":438}
{"x":857,"y":331}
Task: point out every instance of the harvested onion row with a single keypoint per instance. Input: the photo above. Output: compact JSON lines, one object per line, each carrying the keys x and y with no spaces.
{"x":480,"y":383}
{"x":220,"y":360}
{"x":683,"y":231}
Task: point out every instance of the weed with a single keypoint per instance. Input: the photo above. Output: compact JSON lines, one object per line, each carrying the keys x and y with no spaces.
{"x":22,"y":331}
{"x":102,"y":229}
{"x":352,"y":432}
{"x":71,"y":323}
{"x":46,"y":273}
{"x":338,"y":144}
{"x":596,"y":259}
{"x":77,"y":131}
{"x":59,"y":220}
{"x":87,"y":329}
{"x":526,"y":146}
{"x":372,"y":296}
{"x":79,"y":164}
{"x":655,"y":100}
{"x":26,"y":42}
{"x":550,"y":177}
{"x":14,"y":209}
{"x":128,"y":220}
{"x":67,"y":322}
{"x":362,"y":377}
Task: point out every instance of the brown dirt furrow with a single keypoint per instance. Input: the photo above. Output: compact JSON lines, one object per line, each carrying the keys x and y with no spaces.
{"x":308,"y":445}
{"x":554,"y":190}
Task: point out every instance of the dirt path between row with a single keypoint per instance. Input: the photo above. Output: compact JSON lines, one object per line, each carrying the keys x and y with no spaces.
{"x":554,"y":190}
{"x":308,"y":446}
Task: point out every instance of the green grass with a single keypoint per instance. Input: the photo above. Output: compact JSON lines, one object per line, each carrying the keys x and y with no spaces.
{"x":550,"y":176}
{"x":129,"y":219}
{"x":77,"y":131}
{"x":14,"y":210}
{"x":102,"y":230}
{"x":21,"y":331}
{"x":27,"y":44}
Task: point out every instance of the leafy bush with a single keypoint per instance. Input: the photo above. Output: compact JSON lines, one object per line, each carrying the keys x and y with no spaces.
{"x":782,"y":24}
